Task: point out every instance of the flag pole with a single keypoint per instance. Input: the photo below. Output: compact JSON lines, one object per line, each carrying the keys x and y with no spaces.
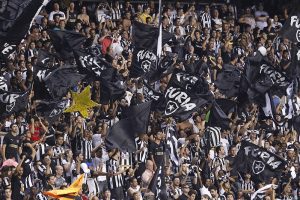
{"x":159,"y":40}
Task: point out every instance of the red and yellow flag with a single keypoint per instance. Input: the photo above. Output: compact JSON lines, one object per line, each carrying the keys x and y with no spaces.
{"x":68,"y":193}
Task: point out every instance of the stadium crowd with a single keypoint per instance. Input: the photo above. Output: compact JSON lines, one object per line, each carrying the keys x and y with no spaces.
{"x":38,"y":156}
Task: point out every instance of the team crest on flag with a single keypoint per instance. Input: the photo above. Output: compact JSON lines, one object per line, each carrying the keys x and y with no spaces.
{"x":258,"y":167}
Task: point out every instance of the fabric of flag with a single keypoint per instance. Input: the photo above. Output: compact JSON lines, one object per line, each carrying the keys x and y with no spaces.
{"x":228,"y":82}
{"x":11,"y":102}
{"x":122,"y":134}
{"x":262,"y":192}
{"x":40,"y":74}
{"x":65,"y":42}
{"x":68,"y":193}
{"x":157,"y":98}
{"x":15,"y":20}
{"x":227,"y":105}
{"x":158,"y":184}
{"x":51,"y":110}
{"x":112,"y":87}
{"x":61,"y":80}
{"x":184,"y":95}
{"x":291,"y":27}
{"x":4,"y":84}
{"x":172,"y":143}
{"x":90,"y":63}
{"x":145,"y":36}
{"x":217,"y":117}
{"x":82,"y":102}
{"x":46,"y":59}
{"x":143,"y":62}
{"x":258,"y":161}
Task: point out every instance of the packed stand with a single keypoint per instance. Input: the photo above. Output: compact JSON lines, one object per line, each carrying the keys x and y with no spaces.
{"x":39,"y":156}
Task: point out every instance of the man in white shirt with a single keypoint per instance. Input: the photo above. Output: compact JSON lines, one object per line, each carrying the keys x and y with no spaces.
{"x":55,"y":11}
{"x":261,"y":17}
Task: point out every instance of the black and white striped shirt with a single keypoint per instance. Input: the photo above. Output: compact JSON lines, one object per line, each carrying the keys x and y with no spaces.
{"x":40,"y":196}
{"x":93,"y":186}
{"x":206,"y":20}
{"x":86,"y":149}
{"x":57,"y":151}
{"x":247,"y":185}
{"x":126,"y":158}
{"x":41,"y":150}
{"x":212,"y":136}
{"x":116,"y":180}
{"x":142,"y":155}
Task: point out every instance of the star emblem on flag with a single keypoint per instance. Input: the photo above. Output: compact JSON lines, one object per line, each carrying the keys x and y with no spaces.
{"x":82,"y":102}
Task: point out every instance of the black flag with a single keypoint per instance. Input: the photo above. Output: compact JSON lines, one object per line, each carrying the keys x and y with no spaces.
{"x":51,"y":110}
{"x":65,"y":42}
{"x":112,"y":88}
{"x":158,"y":184}
{"x":122,"y":134}
{"x":39,"y":87}
{"x":185,"y":94}
{"x":291,"y":28}
{"x":15,"y":20}
{"x":258,"y":161}
{"x":61,"y":80}
{"x":217,"y":117}
{"x":11,"y":102}
{"x":145,"y":36}
{"x":228,"y":82}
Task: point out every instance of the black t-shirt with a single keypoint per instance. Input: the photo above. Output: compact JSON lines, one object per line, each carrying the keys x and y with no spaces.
{"x":16,"y":185}
{"x":197,"y":47}
{"x":12,"y":143}
{"x":157,"y":150}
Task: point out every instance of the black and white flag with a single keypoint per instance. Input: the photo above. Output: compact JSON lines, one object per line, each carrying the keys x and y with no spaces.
{"x":90,"y":63}
{"x":261,"y":163}
{"x":40,"y":74}
{"x":11,"y":102}
{"x":262,"y":192}
{"x":157,"y":98}
{"x":51,"y":110}
{"x":143,"y":62}
{"x":184,"y":95}
{"x":4,"y":83}
{"x":158,"y":184}
{"x":16,"y":17}
{"x":46,"y":59}
{"x":291,"y":28}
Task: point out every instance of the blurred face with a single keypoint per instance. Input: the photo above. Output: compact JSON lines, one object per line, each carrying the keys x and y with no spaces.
{"x":60,"y":140}
{"x":186,"y":189}
{"x":213,"y":193}
{"x":8,"y":193}
{"x":51,"y":181}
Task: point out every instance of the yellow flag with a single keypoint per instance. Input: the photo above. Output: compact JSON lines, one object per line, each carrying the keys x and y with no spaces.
{"x":68,"y":193}
{"x":82,"y":102}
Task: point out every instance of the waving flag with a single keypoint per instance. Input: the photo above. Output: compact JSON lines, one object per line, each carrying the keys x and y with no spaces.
{"x":122,"y":134}
{"x":16,"y":17}
{"x":185,"y":94}
{"x":257,"y":160}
